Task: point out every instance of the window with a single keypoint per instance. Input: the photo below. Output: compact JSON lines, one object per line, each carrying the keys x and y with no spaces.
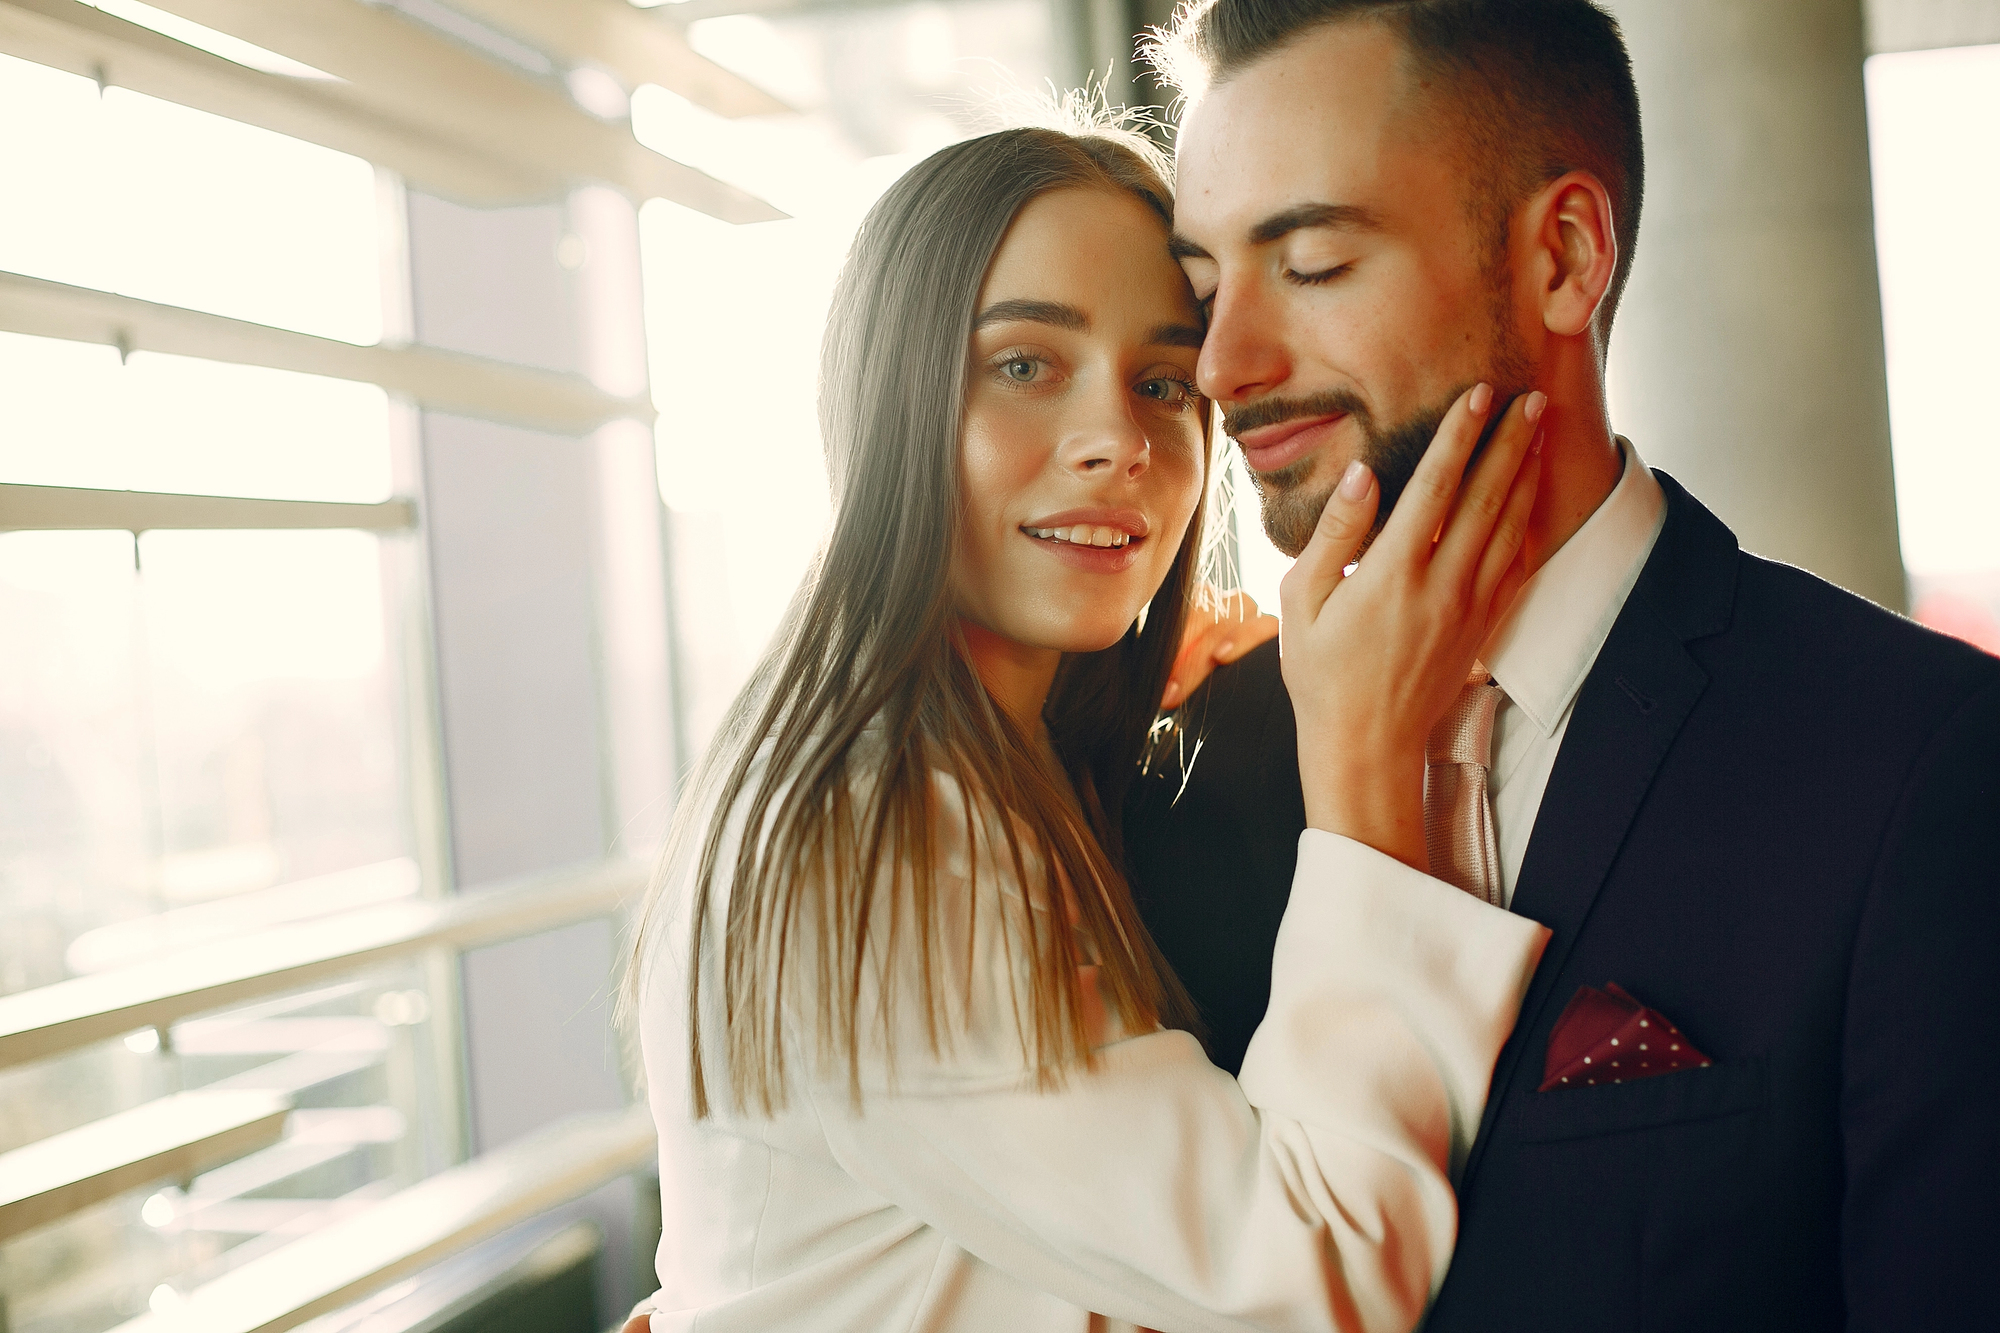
{"x":205,"y":732}
{"x":1930,"y":113}
{"x":735,"y":337}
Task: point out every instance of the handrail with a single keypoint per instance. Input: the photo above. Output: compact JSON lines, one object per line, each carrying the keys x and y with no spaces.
{"x":49,"y":1020}
{"x":346,"y":1260}
{"x":173,"y":1138}
{"x":446,"y":381}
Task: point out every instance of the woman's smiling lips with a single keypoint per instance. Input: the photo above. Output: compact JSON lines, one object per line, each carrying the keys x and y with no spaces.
{"x":1269,"y":448}
{"x":1103,"y":541}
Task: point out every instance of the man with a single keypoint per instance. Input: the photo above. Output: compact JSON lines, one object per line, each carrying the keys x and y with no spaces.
{"x":1765,"y":811}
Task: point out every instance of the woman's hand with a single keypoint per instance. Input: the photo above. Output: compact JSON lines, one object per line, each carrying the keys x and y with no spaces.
{"x":1221,"y":627}
{"x":1373,"y":658}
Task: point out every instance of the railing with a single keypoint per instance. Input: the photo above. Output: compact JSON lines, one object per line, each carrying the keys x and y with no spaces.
{"x":172,"y":1139}
{"x":37,"y":1024}
{"x":348,"y":1259}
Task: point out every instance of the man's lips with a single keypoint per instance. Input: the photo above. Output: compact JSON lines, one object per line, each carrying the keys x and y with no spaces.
{"x":1269,"y":448}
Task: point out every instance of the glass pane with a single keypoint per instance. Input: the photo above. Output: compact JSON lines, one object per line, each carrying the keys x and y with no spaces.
{"x":130,"y":194}
{"x":880,"y":88}
{"x":78,"y":826}
{"x":216,"y":727}
{"x":272,"y":706}
{"x":201,"y":739}
{"x":71,"y":415}
{"x":1940,"y":282}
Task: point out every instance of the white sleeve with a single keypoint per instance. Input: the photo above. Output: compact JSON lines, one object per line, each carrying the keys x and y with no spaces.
{"x":1314,"y":1193}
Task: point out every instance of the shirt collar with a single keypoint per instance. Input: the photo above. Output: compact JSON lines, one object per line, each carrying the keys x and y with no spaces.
{"x":1551,"y":637}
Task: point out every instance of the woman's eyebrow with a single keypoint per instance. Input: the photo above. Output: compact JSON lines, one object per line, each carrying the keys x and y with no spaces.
{"x":1175,"y":335}
{"x":1057,"y":313}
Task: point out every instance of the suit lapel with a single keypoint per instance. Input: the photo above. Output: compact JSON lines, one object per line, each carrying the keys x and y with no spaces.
{"x":1631,"y":707}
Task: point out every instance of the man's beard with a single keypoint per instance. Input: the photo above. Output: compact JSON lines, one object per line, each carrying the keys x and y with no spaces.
{"x":1292,"y":505}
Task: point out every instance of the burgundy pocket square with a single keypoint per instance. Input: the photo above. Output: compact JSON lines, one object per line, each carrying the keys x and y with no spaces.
{"x":1606,"y":1036}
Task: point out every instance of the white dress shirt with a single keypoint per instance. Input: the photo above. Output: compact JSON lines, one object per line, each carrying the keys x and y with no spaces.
{"x":1152,"y":1190}
{"x":1548,"y":643}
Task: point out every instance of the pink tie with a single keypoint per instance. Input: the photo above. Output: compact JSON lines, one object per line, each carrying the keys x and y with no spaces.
{"x":1458,"y":819}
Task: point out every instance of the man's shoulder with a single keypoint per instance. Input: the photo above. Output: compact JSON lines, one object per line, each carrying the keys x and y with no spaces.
{"x":1253,"y":681}
{"x":1779,"y":628}
{"x":1243,"y":706}
{"x":1231,"y":749}
{"x":1847,"y":645}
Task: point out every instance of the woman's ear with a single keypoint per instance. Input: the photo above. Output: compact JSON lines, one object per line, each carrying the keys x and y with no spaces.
{"x":1578,"y":243}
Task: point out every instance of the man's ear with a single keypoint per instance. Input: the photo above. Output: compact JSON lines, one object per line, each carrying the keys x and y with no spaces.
{"x":1578,"y":244}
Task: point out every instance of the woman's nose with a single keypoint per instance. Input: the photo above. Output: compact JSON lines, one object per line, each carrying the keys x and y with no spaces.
{"x":1106,"y":440}
{"x":1241,"y":358}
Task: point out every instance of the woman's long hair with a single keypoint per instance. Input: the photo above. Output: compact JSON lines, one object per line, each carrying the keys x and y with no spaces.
{"x":870,"y":644}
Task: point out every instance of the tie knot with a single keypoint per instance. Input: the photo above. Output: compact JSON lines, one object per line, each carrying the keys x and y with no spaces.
{"x":1464,"y":735}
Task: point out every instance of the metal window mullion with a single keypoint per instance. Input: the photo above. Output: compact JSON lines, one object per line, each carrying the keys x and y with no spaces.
{"x":443,"y":381}
{"x":74,"y":508}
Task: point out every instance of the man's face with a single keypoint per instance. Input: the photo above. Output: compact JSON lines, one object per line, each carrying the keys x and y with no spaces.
{"x":1323,"y":214}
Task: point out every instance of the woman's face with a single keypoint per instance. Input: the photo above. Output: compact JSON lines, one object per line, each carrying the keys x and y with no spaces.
{"x":1083,"y":435}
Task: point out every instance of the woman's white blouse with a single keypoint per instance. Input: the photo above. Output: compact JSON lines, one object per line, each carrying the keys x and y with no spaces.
{"x":1154,"y":1190}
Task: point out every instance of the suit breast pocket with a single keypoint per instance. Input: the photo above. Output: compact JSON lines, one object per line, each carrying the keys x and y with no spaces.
{"x":1727,"y":1089}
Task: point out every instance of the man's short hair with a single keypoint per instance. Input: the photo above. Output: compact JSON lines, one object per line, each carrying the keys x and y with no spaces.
{"x":1535,"y":88}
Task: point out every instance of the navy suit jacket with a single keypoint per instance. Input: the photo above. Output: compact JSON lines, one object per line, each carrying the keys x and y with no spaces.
{"x":1775,"y":818}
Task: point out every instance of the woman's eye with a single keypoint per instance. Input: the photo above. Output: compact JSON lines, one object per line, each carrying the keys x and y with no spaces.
{"x":1021,"y":369}
{"x":1166,"y":389}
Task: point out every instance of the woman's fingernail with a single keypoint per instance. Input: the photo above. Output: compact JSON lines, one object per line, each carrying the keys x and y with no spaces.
{"x":1354,"y":481}
{"x":1225,"y":652}
{"x":1536,"y":402}
{"x":1535,"y":447}
{"x":1482,"y":398}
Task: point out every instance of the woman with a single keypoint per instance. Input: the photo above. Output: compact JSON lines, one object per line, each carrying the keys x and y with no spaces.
{"x":905,"y":1045}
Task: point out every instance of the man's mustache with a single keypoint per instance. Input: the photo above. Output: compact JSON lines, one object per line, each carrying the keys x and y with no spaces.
{"x":1270,"y":411}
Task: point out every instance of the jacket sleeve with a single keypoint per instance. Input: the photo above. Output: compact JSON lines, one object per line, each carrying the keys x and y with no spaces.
{"x":1314,"y":1193}
{"x":1921,"y":1079}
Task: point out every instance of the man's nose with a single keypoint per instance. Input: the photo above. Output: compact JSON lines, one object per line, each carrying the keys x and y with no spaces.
{"x":1244,"y":355}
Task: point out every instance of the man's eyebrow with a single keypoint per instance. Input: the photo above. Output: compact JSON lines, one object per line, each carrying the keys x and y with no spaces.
{"x":1175,"y":335}
{"x":1061,"y":315}
{"x":1338,"y":217}
{"x":1180,"y":247}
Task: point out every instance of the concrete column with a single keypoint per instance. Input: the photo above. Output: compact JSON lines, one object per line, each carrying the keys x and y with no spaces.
{"x":551,"y":652}
{"x":1097,"y":40}
{"x":1747,"y":355}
